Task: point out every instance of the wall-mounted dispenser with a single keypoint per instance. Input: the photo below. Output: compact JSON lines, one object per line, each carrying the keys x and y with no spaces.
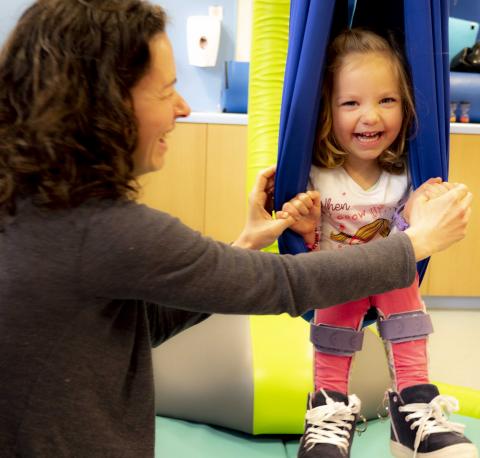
{"x":203,"y":38}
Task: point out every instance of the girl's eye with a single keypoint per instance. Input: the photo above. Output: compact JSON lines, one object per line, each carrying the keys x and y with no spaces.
{"x":349,"y":103}
{"x":388,"y":100}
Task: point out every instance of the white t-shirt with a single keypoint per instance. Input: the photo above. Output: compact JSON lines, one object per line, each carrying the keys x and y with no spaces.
{"x":351,"y":214}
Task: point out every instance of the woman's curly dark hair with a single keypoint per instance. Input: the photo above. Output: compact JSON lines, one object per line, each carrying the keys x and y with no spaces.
{"x":67,"y":128}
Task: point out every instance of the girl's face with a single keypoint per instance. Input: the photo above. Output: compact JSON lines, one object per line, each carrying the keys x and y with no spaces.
{"x":156,"y":105}
{"x":366,"y":106}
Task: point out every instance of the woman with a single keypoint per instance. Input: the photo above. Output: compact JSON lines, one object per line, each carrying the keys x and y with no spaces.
{"x":89,"y":279}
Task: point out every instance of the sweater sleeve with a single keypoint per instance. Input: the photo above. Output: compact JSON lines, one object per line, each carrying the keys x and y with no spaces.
{"x":133,"y":252}
{"x":164,"y":323}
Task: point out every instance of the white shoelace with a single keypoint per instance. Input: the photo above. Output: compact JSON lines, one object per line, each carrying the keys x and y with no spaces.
{"x":432,"y":418}
{"x":331,"y":423}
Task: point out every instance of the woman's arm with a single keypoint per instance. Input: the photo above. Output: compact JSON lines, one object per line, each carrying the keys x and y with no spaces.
{"x":165,"y":323}
{"x":131,"y":251}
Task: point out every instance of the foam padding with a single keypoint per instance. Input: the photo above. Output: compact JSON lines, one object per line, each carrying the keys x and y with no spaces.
{"x":253,"y":374}
{"x":282,"y":368}
{"x":274,"y":396}
{"x":283,"y":374}
{"x":205,"y":374}
{"x":466,"y":87}
{"x":468,"y":398}
{"x":267,"y":68}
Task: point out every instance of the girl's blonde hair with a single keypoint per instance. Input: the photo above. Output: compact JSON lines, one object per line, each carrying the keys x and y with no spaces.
{"x":327,"y":151}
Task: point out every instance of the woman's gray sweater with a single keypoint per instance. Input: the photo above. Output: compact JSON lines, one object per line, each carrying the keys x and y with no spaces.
{"x":78,"y":315}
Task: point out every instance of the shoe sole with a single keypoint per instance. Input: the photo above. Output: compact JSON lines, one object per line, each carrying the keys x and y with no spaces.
{"x":454,"y":451}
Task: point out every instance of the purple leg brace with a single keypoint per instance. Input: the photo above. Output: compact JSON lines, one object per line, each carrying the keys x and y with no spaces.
{"x":335,"y":340}
{"x":404,"y":327}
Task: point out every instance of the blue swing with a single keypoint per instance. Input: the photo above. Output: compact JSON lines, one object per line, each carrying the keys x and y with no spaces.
{"x":421,"y":26}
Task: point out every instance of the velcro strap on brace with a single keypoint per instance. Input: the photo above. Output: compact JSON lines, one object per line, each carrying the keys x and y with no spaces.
{"x":403,"y":327}
{"x":335,"y":340}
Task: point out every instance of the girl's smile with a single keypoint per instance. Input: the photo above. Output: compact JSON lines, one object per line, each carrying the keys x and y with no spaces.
{"x":366,"y":106}
{"x":368,"y":139}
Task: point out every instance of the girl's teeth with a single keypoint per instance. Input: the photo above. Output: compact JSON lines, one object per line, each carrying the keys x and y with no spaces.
{"x":367,"y":137}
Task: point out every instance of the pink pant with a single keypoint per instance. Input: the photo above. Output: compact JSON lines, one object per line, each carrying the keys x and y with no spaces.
{"x":408,"y":359}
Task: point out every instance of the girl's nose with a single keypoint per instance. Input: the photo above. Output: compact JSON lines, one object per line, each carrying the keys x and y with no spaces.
{"x":182,"y":109}
{"x":370,"y":116}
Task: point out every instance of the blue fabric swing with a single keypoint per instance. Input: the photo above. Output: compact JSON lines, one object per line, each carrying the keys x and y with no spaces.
{"x":421,"y":26}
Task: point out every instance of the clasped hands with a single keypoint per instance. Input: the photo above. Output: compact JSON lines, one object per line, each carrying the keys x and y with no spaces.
{"x":438,"y":213}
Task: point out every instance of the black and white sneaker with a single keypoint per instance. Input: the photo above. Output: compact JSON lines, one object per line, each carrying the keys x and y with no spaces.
{"x":329,"y":425}
{"x":420,"y":426}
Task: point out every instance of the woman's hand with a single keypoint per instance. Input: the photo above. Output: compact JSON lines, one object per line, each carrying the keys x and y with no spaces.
{"x":261,"y":229}
{"x":433,"y":187}
{"x":439,"y":222}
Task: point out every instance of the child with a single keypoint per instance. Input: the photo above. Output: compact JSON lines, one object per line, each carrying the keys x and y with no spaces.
{"x":360,"y":173}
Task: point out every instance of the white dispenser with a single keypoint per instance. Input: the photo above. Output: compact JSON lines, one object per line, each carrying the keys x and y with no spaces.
{"x":203,"y":40}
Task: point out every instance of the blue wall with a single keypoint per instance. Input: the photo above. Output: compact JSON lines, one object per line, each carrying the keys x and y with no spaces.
{"x":200,"y":86}
{"x":9,"y":14}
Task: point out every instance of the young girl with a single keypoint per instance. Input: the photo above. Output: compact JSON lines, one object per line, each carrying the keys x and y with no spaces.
{"x":360,"y":173}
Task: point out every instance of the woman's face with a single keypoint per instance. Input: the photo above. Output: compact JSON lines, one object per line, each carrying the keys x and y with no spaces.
{"x":156,"y":105}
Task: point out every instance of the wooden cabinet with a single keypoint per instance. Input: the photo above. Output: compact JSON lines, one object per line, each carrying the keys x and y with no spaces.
{"x":179,"y":188}
{"x":203,"y":179}
{"x":454,"y":271}
{"x":226,"y":176}
{"x":204,"y":184}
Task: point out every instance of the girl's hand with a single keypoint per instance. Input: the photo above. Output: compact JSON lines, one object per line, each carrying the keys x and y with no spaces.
{"x":305,"y":208}
{"x":434,"y":190}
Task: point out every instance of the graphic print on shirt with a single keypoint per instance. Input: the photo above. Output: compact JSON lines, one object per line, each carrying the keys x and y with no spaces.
{"x":364,"y":234}
{"x":352,"y":215}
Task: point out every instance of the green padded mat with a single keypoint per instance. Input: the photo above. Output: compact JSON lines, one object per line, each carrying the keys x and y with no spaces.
{"x":182,"y":439}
